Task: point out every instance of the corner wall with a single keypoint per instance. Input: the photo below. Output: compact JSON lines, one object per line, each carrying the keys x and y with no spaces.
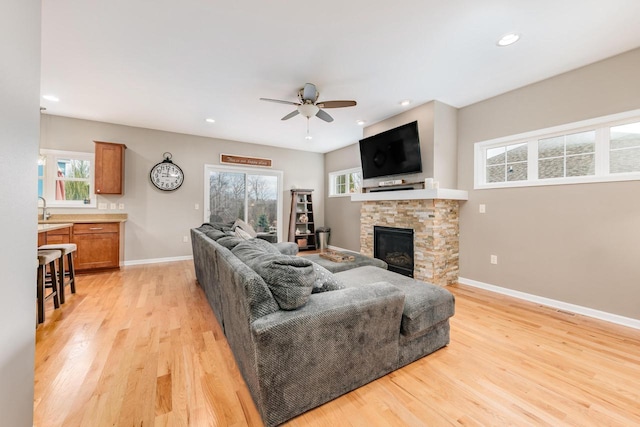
{"x":19,"y":127}
{"x":158,"y":220}
{"x":573,"y":243}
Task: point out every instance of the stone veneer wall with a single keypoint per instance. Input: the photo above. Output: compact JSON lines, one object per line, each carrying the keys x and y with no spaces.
{"x":435,"y":225}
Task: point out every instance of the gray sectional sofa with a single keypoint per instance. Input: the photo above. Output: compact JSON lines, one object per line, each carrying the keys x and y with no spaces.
{"x":301,"y":335}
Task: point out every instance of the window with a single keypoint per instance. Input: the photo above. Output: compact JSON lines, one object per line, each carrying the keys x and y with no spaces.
{"x":604,"y":149}
{"x":343,"y":183}
{"x":65,"y":178}
{"x":255,"y":196}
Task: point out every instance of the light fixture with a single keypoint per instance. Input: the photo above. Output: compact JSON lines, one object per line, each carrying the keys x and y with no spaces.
{"x":51,"y":98}
{"x":308,"y":137}
{"x":405,"y":102}
{"x":308,"y":110}
{"x":360,"y":122}
{"x":209,"y":120}
{"x":508,"y":39}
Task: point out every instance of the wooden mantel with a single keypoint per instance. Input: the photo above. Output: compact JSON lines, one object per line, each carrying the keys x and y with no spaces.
{"x":435,"y":194}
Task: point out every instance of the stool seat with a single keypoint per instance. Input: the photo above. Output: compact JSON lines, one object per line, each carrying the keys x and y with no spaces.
{"x":65,"y":250}
{"x":47,"y":256}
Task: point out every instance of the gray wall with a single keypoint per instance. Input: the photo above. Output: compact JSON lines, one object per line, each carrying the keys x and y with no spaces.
{"x":574,"y":243}
{"x":341,"y":214}
{"x":158,"y":220}
{"x":19,"y":121}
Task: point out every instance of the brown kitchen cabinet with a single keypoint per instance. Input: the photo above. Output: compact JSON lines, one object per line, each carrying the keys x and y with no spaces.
{"x":98,"y":245}
{"x":109,"y":168}
{"x":55,"y":237}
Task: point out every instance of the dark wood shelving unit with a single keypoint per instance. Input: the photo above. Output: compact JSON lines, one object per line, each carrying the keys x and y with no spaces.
{"x":302,"y":229}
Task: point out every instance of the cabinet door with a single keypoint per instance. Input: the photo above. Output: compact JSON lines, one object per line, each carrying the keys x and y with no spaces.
{"x":97,"y":250}
{"x":109,"y":168}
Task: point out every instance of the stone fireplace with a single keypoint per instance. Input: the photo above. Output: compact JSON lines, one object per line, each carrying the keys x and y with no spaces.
{"x":434,"y":222}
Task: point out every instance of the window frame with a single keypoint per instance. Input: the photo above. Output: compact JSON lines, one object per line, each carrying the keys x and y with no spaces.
{"x":333,"y":177}
{"x":50,"y":178}
{"x":600,"y":125}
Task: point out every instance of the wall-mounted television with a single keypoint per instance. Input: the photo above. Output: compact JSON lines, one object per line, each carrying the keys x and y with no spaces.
{"x":393,"y":152}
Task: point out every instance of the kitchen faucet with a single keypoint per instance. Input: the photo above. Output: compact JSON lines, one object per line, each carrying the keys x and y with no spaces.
{"x":45,"y":214}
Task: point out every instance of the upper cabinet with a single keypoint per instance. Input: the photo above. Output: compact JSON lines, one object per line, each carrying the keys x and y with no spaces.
{"x":109,"y":168}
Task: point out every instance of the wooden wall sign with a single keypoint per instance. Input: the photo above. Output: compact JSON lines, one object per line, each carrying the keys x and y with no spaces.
{"x":245,"y":161}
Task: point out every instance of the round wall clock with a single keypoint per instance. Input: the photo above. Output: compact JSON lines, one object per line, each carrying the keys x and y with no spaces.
{"x":166,"y":175}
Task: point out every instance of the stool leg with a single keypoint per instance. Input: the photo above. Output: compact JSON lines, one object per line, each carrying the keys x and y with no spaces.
{"x":40,"y":293}
{"x":54,"y":285}
{"x":61,"y":274}
{"x":72,"y":273}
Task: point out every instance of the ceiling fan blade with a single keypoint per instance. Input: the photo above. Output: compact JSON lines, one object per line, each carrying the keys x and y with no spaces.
{"x":279,"y":101}
{"x":324,"y":116}
{"x":310,"y":92}
{"x":291,"y":114}
{"x":336,"y":104}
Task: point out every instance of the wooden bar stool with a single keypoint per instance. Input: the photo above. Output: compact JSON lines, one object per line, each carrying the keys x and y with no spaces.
{"x":45,"y":257}
{"x":66,"y":249}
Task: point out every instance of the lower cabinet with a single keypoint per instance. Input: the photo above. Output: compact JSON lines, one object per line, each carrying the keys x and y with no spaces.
{"x":98,"y":245}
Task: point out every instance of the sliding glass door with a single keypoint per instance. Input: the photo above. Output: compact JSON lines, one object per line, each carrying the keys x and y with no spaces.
{"x":254,"y":196}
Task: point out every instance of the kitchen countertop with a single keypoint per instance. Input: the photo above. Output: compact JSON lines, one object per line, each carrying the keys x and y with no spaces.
{"x":43,"y":228}
{"x":82,"y":218}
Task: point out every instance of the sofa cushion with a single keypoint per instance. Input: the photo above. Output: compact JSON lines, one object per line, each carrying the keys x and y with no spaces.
{"x":229,"y":242}
{"x":287,"y":248}
{"x":425,"y":304}
{"x":289,"y":278}
{"x":250,"y":249}
{"x":244,"y":227}
{"x":325,"y":280}
{"x":214,"y":234}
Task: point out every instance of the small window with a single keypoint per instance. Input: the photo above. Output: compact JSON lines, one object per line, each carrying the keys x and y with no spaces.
{"x":343,"y":183}
{"x":624,"y":155}
{"x":65,"y":179}
{"x":567,"y":155}
{"x":508,"y":163}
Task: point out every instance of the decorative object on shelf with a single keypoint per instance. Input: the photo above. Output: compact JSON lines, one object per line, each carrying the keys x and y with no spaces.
{"x":166,"y":175}
{"x":303,"y":219}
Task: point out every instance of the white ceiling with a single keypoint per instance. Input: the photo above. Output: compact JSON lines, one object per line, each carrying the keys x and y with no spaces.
{"x":168,"y":65}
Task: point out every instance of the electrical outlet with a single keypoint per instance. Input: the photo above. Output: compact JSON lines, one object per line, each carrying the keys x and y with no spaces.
{"x":197,"y":206}
{"x":102,"y":206}
{"x":121,"y":206}
{"x":185,"y":239}
{"x":482,"y":208}
{"x":494,"y":259}
{"x":112,"y":206}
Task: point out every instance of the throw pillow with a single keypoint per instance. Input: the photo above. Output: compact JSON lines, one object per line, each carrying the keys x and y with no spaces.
{"x":324,"y":280}
{"x":229,"y":242}
{"x":244,"y":227}
{"x":242,"y":234}
{"x":289,"y":278}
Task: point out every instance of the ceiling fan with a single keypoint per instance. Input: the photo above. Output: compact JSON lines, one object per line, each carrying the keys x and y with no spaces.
{"x":308,"y":105}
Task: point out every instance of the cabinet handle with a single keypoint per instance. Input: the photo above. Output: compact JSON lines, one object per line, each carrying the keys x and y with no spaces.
{"x":95,"y":228}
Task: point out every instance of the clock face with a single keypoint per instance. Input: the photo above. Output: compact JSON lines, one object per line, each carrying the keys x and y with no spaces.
{"x":167,"y":176}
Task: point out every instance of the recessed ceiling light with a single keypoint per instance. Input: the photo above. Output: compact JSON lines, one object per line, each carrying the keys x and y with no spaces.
{"x":360,"y":122}
{"x":308,"y":137}
{"x":405,"y":102}
{"x":508,"y":39}
{"x":210,"y":120}
{"x":51,"y":98}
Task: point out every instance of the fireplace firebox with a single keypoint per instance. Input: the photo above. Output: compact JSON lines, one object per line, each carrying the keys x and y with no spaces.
{"x":395,"y":247}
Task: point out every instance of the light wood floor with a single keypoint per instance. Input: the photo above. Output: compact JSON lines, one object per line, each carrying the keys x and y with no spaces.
{"x":140,"y":347}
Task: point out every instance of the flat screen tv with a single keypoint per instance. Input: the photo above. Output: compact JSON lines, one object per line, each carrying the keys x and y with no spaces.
{"x":393,"y":152}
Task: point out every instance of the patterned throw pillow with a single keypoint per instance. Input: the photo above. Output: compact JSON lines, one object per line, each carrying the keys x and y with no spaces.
{"x":325,"y":280}
{"x":244,"y":227}
{"x":242,"y":234}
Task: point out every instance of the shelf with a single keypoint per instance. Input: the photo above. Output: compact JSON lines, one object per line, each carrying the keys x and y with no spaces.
{"x":440,"y":193}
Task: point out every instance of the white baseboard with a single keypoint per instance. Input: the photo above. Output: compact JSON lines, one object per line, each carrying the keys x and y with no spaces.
{"x":585,"y":311}
{"x":157,"y":260}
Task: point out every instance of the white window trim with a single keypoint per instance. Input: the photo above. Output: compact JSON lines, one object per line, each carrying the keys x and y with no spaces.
{"x":50,"y":173}
{"x":251,"y":171}
{"x":602,"y":173}
{"x":334,"y":175}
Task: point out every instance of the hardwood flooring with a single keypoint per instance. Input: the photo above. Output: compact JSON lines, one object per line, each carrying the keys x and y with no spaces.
{"x":141,"y":347}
